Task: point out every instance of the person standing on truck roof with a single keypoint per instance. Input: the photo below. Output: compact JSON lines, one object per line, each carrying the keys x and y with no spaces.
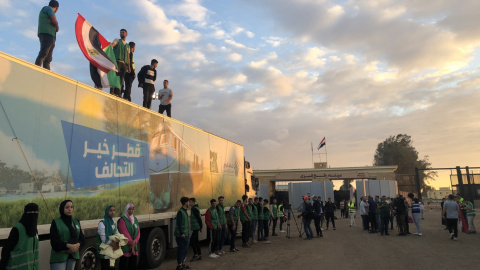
{"x":232,"y":221}
{"x":196,"y":226}
{"x":246,"y":221}
{"x":66,"y":237}
{"x":21,"y":247}
{"x":254,"y":216}
{"x":130,"y":75}
{"x":223,"y":224}
{"x":121,"y":49}
{"x":213,"y":224}
{"x":165,"y":95}
{"x":182,"y":230}
{"x":128,"y":226}
{"x":107,"y":227}
{"x":47,"y":33}
{"x":146,"y":80}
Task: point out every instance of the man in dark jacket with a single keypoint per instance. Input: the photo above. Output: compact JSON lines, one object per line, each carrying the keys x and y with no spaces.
{"x":330,"y":212}
{"x":146,"y":80}
{"x":307,"y":210}
{"x":196,"y":226}
{"x":400,"y":210}
{"x":318,"y":206}
{"x":130,"y":76}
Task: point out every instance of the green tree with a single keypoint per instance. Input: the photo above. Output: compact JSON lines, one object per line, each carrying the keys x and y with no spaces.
{"x":398,"y":150}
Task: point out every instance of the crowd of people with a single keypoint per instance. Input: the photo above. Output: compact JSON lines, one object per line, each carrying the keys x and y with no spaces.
{"x":47,"y":30}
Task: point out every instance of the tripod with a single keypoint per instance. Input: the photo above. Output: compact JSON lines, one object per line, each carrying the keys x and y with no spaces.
{"x":290,"y":213}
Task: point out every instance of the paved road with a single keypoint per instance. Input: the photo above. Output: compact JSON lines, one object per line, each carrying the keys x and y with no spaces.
{"x":350,"y":248}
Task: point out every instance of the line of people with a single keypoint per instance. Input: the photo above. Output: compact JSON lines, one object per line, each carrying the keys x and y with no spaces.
{"x":254,"y":214}
{"x":123,"y":51}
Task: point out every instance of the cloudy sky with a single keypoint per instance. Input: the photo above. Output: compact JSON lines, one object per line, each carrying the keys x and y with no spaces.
{"x":278,"y":75}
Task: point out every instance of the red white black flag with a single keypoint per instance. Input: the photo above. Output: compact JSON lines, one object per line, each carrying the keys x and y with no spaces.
{"x":92,"y":44}
{"x":321,"y":144}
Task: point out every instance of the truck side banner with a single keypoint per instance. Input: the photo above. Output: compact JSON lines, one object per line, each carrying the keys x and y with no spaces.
{"x":61,"y":139}
{"x":98,"y":157}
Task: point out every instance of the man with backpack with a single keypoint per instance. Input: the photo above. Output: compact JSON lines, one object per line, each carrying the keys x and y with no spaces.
{"x":308,"y":213}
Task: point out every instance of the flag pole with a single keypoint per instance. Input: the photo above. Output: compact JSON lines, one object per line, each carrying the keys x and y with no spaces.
{"x":326,"y":155}
{"x":311,"y":145}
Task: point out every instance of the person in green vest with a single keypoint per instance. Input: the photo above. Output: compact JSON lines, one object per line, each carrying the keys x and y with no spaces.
{"x":106,"y":228}
{"x":252,"y":204}
{"x":182,"y":233}
{"x":196,"y":226}
{"x":213,"y":224}
{"x":222,"y":230}
{"x":20,"y":251}
{"x":260,"y":230}
{"x":352,"y":210}
{"x":121,"y":49}
{"x":281,"y":215}
{"x":66,"y":237}
{"x":232,"y":222}
{"x":128,"y":226}
{"x":274,"y":213}
{"x":266,"y":217}
{"x":470,"y":217}
{"x":130,"y":76}
{"x":246,"y":220}
{"x":47,"y":33}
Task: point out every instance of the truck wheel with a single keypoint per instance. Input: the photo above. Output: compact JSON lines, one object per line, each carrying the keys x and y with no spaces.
{"x":155,"y":248}
{"x":88,"y":260}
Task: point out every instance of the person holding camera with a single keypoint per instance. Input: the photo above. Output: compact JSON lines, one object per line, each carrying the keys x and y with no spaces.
{"x":308,"y":213}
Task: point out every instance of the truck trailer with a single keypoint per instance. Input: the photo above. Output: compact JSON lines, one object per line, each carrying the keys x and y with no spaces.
{"x":61,"y":139}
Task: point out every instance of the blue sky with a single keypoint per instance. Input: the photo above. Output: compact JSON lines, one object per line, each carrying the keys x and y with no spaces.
{"x":276,"y":75}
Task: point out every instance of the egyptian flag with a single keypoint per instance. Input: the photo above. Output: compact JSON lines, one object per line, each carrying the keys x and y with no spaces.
{"x":99,"y":52}
{"x":321,"y":144}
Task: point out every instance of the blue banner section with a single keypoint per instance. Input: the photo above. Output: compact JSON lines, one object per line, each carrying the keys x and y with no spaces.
{"x":97,"y":157}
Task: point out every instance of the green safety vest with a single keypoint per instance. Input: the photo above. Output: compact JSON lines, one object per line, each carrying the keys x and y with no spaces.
{"x":266,"y":213}
{"x":259,"y":211}
{"x":44,"y":27}
{"x":274,"y":210}
{"x":64,"y":233}
{"x":132,"y":231}
{"x":213,"y":218}
{"x":24,"y":255}
{"x":193,"y":220}
{"x":351,"y":207}
{"x":99,"y":240}
{"x":185,"y":224}
{"x":242,"y":215}
{"x":221,"y":214}
{"x":236,"y":213}
{"x":253,"y":212}
{"x":280,"y":211}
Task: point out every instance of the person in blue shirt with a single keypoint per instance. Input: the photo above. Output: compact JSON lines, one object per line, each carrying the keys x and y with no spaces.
{"x":372,"y":211}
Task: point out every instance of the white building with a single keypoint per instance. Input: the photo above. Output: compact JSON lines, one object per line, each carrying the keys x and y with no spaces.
{"x":439,"y":194}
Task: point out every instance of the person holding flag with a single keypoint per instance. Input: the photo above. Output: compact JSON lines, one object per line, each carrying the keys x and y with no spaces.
{"x":121,"y":49}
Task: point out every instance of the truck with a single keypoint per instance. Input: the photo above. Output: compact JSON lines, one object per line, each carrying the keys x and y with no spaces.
{"x":61,"y":139}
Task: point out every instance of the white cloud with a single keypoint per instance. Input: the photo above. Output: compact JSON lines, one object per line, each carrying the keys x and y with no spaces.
{"x":235,"y":57}
{"x":191,"y":9}
{"x":239,"y":30}
{"x":274,"y":41}
{"x":157,"y":29}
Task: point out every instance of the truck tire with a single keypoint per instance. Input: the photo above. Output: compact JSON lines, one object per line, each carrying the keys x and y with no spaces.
{"x":154,"y":248}
{"x":88,"y":259}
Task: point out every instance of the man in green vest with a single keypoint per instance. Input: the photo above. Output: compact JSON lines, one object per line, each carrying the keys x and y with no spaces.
{"x":182,"y":229}
{"x":252,"y":203}
{"x":130,"y":75}
{"x":47,"y":33}
{"x":20,"y":251}
{"x":222,"y":230}
{"x":213,"y":224}
{"x":196,"y":226}
{"x":260,"y":231}
{"x":246,"y":221}
{"x":121,"y":49}
{"x":232,"y":221}
{"x":352,"y":210}
{"x":281,"y":215}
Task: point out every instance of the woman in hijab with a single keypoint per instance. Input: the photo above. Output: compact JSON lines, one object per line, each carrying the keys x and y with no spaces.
{"x":128,"y":226}
{"x":107,"y":227}
{"x":21,"y":248}
{"x":66,"y":237}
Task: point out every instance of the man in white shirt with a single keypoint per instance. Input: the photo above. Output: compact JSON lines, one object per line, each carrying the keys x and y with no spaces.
{"x":364,"y":213}
{"x":165,"y":95}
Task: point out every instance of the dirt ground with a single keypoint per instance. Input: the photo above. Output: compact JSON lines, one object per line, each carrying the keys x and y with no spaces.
{"x":350,"y":248}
